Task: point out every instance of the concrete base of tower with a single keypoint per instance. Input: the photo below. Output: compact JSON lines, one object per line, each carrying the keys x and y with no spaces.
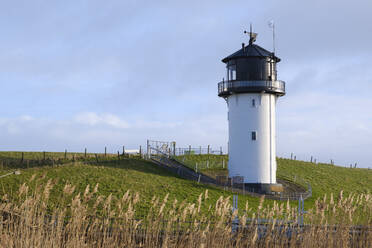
{"x":264,"y":188}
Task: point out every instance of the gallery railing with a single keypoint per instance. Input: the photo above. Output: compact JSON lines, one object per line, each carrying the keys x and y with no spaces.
{"x":226,"y":88}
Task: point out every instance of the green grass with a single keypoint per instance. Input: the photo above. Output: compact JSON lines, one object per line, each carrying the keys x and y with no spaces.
{"x":148,"y":180}
{"x":323,"y":178}
{"x":114,"y":178}
{"x":204,"y":162}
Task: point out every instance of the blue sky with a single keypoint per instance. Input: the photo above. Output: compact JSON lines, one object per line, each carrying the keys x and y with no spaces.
{"x":78,"y":74}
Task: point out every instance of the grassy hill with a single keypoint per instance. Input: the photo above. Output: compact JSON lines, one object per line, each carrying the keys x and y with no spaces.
{"x":326,"y":178}
{"x":323,"y":178}
{"x":137,"y":175}
{"x":114,"y":177}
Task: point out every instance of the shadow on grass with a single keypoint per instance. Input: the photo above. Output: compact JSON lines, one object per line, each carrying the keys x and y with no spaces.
{"x":99,"y":160}
{"x":148,"y":167}
{"x":136,"y":164}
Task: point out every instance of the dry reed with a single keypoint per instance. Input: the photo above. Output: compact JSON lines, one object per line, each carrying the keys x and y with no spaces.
{"x":90,"y":220}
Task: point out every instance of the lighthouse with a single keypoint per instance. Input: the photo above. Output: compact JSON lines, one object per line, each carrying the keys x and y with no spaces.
{"x":251,"y":90}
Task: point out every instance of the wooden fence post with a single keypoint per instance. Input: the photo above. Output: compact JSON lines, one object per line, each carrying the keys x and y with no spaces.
{"x":105,"y":151}
{"x":140,"y":151}
{"x":148,"y":149}
{"x":65,"y":153}
{"x":189,"y":149}
{"x":311,"y":159}
{"x":221,"y":150}
{"x":22,"y":158}
{"x":208,"y":149}
{"x":123,"y":150}
{"x":85,"y":152}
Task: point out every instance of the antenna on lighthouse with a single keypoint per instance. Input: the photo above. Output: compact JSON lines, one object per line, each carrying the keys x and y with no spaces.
{"x":252,"y":36}
{"x":272,"y":26}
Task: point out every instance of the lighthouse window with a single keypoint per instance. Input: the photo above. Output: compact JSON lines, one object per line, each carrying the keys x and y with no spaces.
{"x":253,"y":102}
{"x":231,"y":72}
{"x":254,"y":135}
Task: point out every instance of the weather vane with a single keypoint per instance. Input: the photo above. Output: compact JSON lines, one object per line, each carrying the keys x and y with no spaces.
{"x":252,"y":36}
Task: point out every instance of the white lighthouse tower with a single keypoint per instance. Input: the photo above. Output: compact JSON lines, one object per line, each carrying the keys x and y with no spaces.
{"x":251,"y":91}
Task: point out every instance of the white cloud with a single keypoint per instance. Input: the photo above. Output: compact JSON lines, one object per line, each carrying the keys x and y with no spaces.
{"x":326,"y":126}
{"x":156,"y":124}
{"x":25,"y":118}
{"x":94,"y":131}
{"x":94,"y":119}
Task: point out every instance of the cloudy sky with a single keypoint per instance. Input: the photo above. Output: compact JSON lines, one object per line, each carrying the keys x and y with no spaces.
{"x":87,"y":73}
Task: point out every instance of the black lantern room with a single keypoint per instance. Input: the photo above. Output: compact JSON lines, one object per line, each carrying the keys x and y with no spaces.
{"x":251,"y":69}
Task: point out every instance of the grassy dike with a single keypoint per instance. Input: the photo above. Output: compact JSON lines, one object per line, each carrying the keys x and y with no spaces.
{"x":137,"y":175}
{"x":115,"y":178}
{"x":323,"y":178}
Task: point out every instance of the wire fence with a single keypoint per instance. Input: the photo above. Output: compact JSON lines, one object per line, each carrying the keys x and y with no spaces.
{"x":198,"y":151}
{"x":25,"y":160}
{"x":190,"y":166}
{"x":185,"y":162}
{"x":212,"y":162}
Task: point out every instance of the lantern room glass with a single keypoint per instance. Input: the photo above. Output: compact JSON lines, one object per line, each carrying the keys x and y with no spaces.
{"x":231,"y":72}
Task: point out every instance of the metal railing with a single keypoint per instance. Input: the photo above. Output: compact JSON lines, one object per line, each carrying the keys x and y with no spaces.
{"x":298,"y":195}
{"x":176,"y":160}
{"x":179,"y":151}
{"x":229,"y":87}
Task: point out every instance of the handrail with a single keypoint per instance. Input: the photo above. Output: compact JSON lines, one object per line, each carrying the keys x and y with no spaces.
{"x":235,"y":86}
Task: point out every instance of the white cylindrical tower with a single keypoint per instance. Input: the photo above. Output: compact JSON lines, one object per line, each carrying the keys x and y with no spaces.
{"x":251,"y":91}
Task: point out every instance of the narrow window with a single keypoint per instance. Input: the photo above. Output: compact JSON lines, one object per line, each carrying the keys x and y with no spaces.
{"x":253,"y":102}
{"x":254,"y":135}
{"x":231,"y":72}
